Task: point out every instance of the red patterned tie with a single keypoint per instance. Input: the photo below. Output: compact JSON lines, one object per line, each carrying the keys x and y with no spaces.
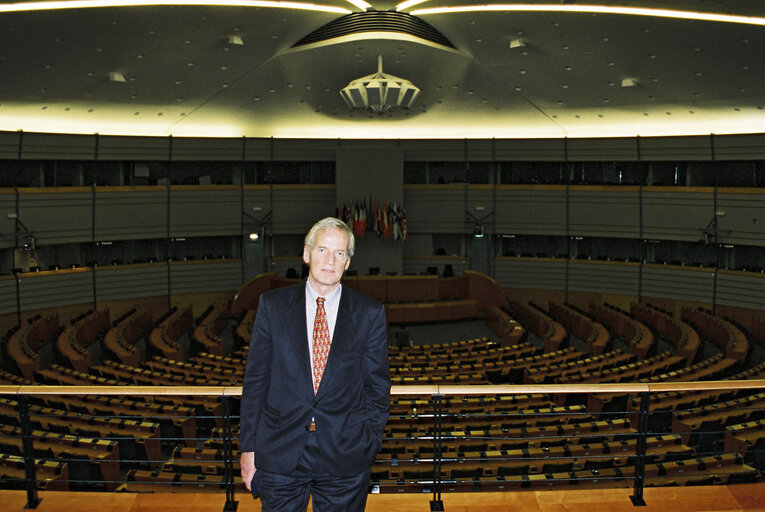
{"x":321,"y":343}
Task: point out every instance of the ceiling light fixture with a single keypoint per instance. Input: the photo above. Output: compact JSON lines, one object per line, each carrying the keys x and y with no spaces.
{"x":408,"y":3}
{"x":361,"y":4}
{"x":380,"y":92}
{"x":90,"y":4}
{"x":596,"y":9}
{"x":630,"y":82}
{"x":116,"y":76}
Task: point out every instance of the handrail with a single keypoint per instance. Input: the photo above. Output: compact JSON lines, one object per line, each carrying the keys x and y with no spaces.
{"x":442,"y":390}
{"x":435,"y":435}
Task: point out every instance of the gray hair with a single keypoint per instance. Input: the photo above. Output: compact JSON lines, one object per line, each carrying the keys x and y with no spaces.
{"x":331,"y":223}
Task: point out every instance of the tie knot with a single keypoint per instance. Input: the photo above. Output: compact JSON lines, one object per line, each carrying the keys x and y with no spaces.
{"x":320,"y":302}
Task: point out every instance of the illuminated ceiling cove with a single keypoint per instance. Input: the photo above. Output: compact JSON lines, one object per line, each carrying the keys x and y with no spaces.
{"x":274,"y":69}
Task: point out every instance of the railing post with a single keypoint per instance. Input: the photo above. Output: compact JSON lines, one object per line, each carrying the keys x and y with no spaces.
{"x":436,"y":504}
{"x":637,"y":495}
{"x":228,"y":456}
{"x":28,"y":451}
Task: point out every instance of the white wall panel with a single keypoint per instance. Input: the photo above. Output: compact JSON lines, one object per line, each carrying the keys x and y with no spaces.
{"x":680,"y":283}
{"x":741,"y":289}
{"x":432,"y":209}
{"x":205,"y":211}
{"x":602,"y":277}
{"x":131,"y":281}
{"x":604,"y":212}
{"x":7,"y":225}
{"x":296,"y":209}
{"x":54,"y":289}
{"x":127,"y":214}
{"x":744,"y":219}
{"x":211,"y":276}
{"x":676,"y":214}
{"x":57,"y":216}
{"x":532,"y":273}
{"x":526,"y":210}
{"x":7,"y":295}
{"x":52,"y":146}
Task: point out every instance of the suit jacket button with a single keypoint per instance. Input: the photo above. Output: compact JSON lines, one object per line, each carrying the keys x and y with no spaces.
{"x":316,"y":404}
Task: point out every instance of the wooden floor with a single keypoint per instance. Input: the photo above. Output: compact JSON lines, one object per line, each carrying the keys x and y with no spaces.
{"x":742,"y":497}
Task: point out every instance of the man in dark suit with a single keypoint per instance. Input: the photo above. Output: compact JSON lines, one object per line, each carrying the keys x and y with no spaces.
{"x":311,"y":422}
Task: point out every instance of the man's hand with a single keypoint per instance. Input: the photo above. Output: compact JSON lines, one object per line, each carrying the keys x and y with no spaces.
{"x":247,"y":467}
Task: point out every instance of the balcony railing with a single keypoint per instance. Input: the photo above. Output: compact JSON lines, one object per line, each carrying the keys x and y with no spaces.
{"x":438,"y":438}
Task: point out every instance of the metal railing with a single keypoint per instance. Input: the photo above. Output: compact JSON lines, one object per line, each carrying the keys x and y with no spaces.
{"x":438,"y":438}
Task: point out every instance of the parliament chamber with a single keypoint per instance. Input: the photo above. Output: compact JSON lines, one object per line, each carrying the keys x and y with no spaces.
{"x":566,"y":229}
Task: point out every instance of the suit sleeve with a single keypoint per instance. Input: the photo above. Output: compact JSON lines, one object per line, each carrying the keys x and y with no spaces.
{"x":377,"y":373}
{"x":256,"y":377}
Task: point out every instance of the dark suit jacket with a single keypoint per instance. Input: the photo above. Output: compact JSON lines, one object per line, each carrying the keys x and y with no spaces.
{"x":278,"y":402}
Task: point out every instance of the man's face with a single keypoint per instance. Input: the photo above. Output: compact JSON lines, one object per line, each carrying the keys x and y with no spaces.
{"x":327,"y":259}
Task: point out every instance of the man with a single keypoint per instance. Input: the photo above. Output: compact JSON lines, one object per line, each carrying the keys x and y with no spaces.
{"x":312,"y":424}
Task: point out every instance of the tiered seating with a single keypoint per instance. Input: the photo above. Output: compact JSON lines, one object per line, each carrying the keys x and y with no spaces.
{"x":51,"y":476}
{"x":73,"y":342}
{"x":595,"y":335}
{"x":206,"y":409}
{"x":138,"y":440}
{"x":705,"y":424}
{"x":742,"y":437}
{"x":511,"y":332}
{"x":636,"y":334}
{"x":469,"y":370}
{"x":24,"y":343}
{"x":174,"y":419}
{"x":164,"y":337}
{"x":446,"y":310}
{"x":230,"y":376}
{"x":713,"y":368}
{"x":724,"y":334}
{"x":207,"y":333}
{"x":582,"y":367}
{"x":539,"y":322}
{"x":121,"y":339}
{"x":230,"y":363}
{"x":98,"y":457}
{"x":684,"y":338}
{"x":642,"y":369}
{"x":12,"y":378}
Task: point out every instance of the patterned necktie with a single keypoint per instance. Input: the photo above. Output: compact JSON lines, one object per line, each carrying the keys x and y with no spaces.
{"x":321,"y":343}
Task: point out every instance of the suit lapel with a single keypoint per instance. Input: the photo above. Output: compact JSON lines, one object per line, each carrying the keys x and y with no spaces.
{"x":297,"y":336}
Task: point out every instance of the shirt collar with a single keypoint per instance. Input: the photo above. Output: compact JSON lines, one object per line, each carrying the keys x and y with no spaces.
{"x":330,"y":300}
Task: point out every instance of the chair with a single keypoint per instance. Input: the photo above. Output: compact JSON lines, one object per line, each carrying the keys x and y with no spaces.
{"x":517,"y":445}
{"x":426,"y":475}
{"x":461,"y":474}
{"x":504,"y":471}
{"x":705,"y":480}
{"x":603,"y":463}
{"x":557,"y":467}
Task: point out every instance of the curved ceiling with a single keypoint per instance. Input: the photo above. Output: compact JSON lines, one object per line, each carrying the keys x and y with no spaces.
{"x":540,"y":69}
